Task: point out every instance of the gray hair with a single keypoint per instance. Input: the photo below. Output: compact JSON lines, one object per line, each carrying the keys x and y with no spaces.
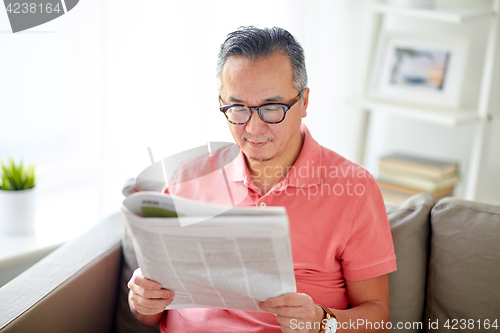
{"x":254,"y":43}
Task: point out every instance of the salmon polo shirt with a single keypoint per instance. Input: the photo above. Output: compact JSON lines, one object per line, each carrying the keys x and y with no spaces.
{"x":338,"y":227}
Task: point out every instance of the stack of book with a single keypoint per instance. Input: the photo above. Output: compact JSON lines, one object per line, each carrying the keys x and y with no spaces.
{"x":400,"y":176}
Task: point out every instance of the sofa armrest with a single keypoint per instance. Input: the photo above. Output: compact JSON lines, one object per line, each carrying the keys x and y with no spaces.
{"x":71,"y":290}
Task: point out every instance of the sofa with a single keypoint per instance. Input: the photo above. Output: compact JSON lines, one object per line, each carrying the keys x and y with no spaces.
{"x":448,"y":277}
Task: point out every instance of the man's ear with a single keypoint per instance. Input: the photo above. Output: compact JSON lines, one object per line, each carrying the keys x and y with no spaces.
{"x":304,"y":102}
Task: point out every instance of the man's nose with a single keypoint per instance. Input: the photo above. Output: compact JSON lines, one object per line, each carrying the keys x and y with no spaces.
{"x":256,"y":126}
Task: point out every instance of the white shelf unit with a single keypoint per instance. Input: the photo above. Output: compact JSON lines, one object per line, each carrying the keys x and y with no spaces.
{"x":480,"y":116}
{"x":440,"y":13}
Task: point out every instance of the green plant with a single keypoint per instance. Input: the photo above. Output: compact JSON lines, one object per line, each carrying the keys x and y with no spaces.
{"x":17,"y":177}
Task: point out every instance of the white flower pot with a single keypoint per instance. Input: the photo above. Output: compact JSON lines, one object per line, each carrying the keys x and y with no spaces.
{"x":18,"y":211}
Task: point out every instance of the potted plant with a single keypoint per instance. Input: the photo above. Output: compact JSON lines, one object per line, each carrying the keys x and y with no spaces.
{"x":17,"y":197}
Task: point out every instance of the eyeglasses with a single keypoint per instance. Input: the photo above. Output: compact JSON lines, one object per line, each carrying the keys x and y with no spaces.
{"x":270,"y":113}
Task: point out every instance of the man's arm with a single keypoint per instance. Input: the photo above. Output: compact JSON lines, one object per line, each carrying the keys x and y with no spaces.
{"x":369,"y":300}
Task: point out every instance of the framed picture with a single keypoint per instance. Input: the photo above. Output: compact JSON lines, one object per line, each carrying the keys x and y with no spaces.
{"x":424,"y":70}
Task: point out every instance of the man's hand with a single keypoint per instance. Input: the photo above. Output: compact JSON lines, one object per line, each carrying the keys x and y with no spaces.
{"x":131,"y":187}
{"x":295,"y":312}
{"x":147,"y":300}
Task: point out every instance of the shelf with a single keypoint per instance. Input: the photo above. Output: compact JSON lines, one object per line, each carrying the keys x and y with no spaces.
{"x":449,"y":18}
{"x":441,"y":14}
{"x":443,"y":117}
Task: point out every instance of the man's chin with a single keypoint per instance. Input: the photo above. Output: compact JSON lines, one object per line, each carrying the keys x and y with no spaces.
{"x":259,"y":159}
{"x":256,"y":156}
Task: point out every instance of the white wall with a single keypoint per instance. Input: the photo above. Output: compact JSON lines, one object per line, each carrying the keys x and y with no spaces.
{"x":160,"y":78}
{"x":163,"y":60}
{"x":51,"y":101}
{"x":51,"y":92}
{"x":330,"y":34}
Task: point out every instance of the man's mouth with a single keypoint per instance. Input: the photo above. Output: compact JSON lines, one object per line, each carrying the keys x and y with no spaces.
{"x":254,"y":144}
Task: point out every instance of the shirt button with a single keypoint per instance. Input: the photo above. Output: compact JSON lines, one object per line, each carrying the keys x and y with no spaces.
{"x":263,"y":204}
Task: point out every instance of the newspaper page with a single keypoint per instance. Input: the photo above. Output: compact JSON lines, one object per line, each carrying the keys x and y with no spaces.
{"x":218,"y":257}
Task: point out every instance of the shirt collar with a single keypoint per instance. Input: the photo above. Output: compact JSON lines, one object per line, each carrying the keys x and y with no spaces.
{"x":305,"y":170}
{"x":237,"y":169}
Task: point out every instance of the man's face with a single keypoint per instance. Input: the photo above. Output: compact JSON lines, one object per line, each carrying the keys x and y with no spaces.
{"x":253,"y":83}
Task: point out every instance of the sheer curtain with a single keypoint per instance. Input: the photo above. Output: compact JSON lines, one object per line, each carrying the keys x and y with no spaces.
{"x":84,"y":95}
{"x":160,"y":74}
{"x":51,"y":104}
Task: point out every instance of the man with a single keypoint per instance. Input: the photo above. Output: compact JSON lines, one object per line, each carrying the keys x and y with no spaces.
{"x":341,"y":243}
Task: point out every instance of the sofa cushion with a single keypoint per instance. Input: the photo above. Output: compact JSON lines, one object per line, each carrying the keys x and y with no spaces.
{"x":409,"y":223}
{"x":464,"y":268}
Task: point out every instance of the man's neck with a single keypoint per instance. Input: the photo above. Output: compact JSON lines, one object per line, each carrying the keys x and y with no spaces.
{"x":269,"y":173}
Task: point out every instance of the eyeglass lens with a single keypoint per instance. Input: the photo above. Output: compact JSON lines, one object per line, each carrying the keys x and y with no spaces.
{"x":268,"y":113}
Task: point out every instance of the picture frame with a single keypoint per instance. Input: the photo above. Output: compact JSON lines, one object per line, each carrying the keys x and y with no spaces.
{"x":419,"y":69}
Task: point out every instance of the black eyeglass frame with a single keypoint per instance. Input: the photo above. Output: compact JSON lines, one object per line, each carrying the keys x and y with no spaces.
{"x":224,"y":108}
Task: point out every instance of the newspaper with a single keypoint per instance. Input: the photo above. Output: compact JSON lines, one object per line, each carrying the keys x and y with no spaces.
{"x":217,"y":256}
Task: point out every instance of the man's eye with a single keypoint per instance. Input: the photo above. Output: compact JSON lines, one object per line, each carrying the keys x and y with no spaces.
{"x":239,"y":109}
{"x":273,"y":108}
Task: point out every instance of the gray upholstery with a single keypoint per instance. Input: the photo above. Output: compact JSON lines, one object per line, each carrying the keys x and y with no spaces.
{"x":71,"y":290}
{"x":464,"y":267}
{"x":410,"y":226}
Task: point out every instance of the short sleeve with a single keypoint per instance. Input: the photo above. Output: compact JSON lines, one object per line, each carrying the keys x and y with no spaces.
{"x":369,"y":251}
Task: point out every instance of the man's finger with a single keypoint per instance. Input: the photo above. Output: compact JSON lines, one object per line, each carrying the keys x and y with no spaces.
{"x":291,"y":299}
{"x":148,"y":310}
{"x":150,"y":303}
{"x":292,"y":312}
{"x":147,"y":293}
{"x":141,"y":281}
